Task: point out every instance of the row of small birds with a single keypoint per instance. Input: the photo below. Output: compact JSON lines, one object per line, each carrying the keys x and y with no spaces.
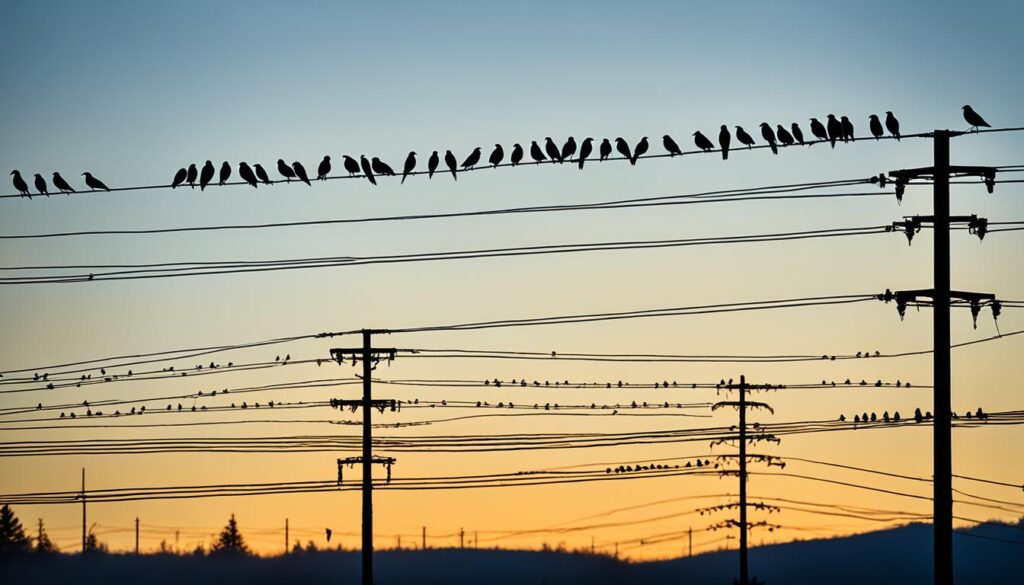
{"x":918,"y":416}
{"x":59,"y":182}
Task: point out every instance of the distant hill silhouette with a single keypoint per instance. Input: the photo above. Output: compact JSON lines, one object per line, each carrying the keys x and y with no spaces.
{"x":897,"y":556}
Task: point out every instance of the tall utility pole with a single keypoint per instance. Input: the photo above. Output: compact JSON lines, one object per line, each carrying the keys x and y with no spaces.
{"x":370,"y":357}
{"x":285,"y":536}
{"x":689,"y":534}
{"x":136,"y":536}
{"x":423,"y":542}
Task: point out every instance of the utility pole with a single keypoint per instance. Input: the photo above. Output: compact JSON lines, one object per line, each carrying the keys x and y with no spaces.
{"x":476,"y":540}
{"x":941,"y":295}
{"x":462,"y":538}
{"x":136,"y":536}
{"x":39,"y":539}
{"x":285,"y":536}
{"x":83,"y":511}
{"x":689,"y":534}
{"x":423,"y":544}
{"x":370,"y":357}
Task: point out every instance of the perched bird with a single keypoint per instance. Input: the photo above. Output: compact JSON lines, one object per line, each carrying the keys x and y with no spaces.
{"x":364,"y":164}
{"x":246,"y":173}
{"x":192,"y":175}
{"x":351,"y":165}
{"x":324,"y":168}
{"x":517,"y":154}
{"x":670,"y":145}
{"x":586,"y":147}
{"x":179,"y":177}
{"x":328,"y":534}
{"x":410,"y":164}
{"x":724,"y":138}
{"x":60,"y":183}
{"x":496,"y":156}
{"x":606,"y":149}
{"x":300,"y":172}
{"x":472,"y":159}
{"x":784,"y":136}
{"x":225,"y":173}
{"x":450,"y":162}
{"x":568,"y":149}
{"x":535,"y":152}
{"x":262,"y":173}
{"x":623,"y":148}
{"x":835,"y":129}
{"x":639,"y":150}
{"x":875,"y":125}
{"x":797,"y":133}
{"x":702,"y":142}
{"x":206,"y":176}
{"x":41,"y":185}
{"x":285,"y":170}
{"x":381,"y":168}
{"x":769,"y":136}
{"x":892,"y":125}
{"x":553,"y":153}
{"x":94,"y":183}
{"x":847,"y":128}
{"x":818,"y":129}
{"x":432,"y":164}
{"x":974,"y":119}
{"x":743,"y":137}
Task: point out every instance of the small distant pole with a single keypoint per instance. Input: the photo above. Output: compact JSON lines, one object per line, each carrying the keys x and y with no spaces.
{"x":423,"y":545}
{"x":399,"y":542}
{"x":689,"y":533}
{"x":83,"y":510}
{"x":286,"y":536}
{"x":39,"y":541}
{"x":592,"y":549}
{"x":177,"y":533}
{"x":476,"y":541}
{"x":616,"y":550}
{"x":462,"y":538}
{"x":136,"y":536}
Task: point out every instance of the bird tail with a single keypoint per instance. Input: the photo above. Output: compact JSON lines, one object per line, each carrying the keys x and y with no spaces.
{"x":454,"y":176}
{"x":581,"y":162}
{"x":725,"y":154}
{"x":371,"y":179}
{"x":775,"y":149}
{"x":403,"y":179}
{"x":832,"y":141}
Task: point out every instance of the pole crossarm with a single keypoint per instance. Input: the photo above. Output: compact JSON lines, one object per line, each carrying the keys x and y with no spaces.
{"x":353,"y":405}
{"x":902,"y":176}
{"x":387,"y":462}
{"x":927,"y":298}
{"x":911,"y":225}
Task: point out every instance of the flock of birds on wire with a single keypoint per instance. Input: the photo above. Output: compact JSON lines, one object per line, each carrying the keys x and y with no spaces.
{"x":918,"y":416}
{"x":833,"y":130}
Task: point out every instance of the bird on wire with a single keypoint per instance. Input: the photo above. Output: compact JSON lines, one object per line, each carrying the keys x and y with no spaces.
{"x":623,"y":148}
{"x":639,"y":150}
{"x":94,"y":183}
{"x":535,"y":152}
{"x":285,"y":170}
{"x":351,"y":165}
{"x":472,"y":159}
{"x":835,"y":129}
{"x":568,"y":149}
{"x":497,"y":155}
{"x":192,"y":175}
{"x":892,"y":125}
{"x":744,"y":138}
{"x":179,"y":177}
{"x":364,"y":164}
{"x":262,"y":174}
{"x":381,"y":168}
{"x":769,"y":136}
{"x":784,"y":136}
{"x":847,"y":129}
{"x":702,"y":142}
{"x":409,"y":166}
{"x":670,"y":145}
{"x":20,"y":184}
{"x":61,"y":184}
{"x":206,"y":175}
{"x":797,"y":133}
{"x":300,"y":172}
{"x":40,"y":184}
{"x":246,"y":173}
{"x":606,"y":150}
{"x":586,"y":148}
{"x":974,"y":118}
{"x":552,"y":150}
{"x":324,"y":168}
{"x":432,"y":164}
{"x":724,"y":139}
{"x":517,"y":154}
{"x":875,"y":126}
{"x":450,"y":162}
{"x":225,"y":173}
{"x":818,"y":129}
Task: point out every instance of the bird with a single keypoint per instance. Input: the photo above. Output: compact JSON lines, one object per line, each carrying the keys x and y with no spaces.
{"x":702,"y":142}
{"x":381,"y":168}
{"x":568,"y":149}
{"x":744,"y":138}
{"x":517,"y":154}
{"x":60,"y":183}
{"x":472,"y":159}
{"x":94,"y":183}
{"x":41,"y":185}
{"x":432,"y":164}
{"x":586,"y":148}
{"x":769,"y":136}
{"x":497,"y":155}
{"x":784,"y":136}
{"x":724,"y":138}
{"x":225,"y":173}
{"x":606,"y":149}
{"x":670,"y":145}
{"x":365,"y":165}
{"x":324,"y":168}
{"x":192,"y":175}
{"x":328,"y":534}
{"x":300,"y":172}
{"x":818,"y":129}
{"x":835,"y":129}
{"x":351,"y":165}
{"x":535,"y":152}
{"x":262,"y":174}
{"x":246,"y":173}
{"x":285,"y":170}
{"x":797,"y":133}
{"x":623,"y":148}
{"x":410,"y":164}
{"x":552,"y":150}
{"x":179,"y":177}
{"x":875,"y":125}
{"x":639,"y":150}
{"x":449,"y":161}
{"x":974,"y":119}
{"x":206,"y":175}
{"x":847,"y":128}
{"x":892,"y":125}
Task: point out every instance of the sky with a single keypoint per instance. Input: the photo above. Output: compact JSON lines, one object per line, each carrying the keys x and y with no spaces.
{"x":132,"y":91}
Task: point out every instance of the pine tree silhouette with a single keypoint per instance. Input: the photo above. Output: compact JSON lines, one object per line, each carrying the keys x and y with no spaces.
{"x":43,"y":542}
{"x":12,"y":534}
{"x":230,"y":540}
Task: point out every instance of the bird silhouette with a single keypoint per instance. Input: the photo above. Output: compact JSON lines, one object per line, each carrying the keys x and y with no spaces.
{"x":568,"y":149}
{"x":835,"y":129}
{"x":639,"y":150}
{"x":974,"y":118}
{"x":769,"y":136}
{"x":41,"y":185}
{"x":606,"y":149}
{"x":324,"y":168}
{"x":623,"y":148}
{"x":553,"y":153}
{"x":744,"y":138}
{"x":300,"y":172}
{"x":285,"y":170}
{"x":364,"y":164}
{"x":847,"y":128}
{"x":410,"y":164}
{"x":892,"y":125}
{"x":328,"y":534}
{"x":784,"y":136}
{"x":496,"y":156}
{"x":670,"y":145}
{"x":450,"y":162}
{"x":61,"y":184}
{"x":351,"y":165}
{"x":818,"y":129}
{"x":535,"y":152}
{"x":193,"y":174}
{"x":586,"y":148}
{"x":381,"y":168}
{"x":517,"y":154}
{"x":702,"y":142}
{"x":875,"y":126}
{"x":94,"y":183}
{"x":797,"y":133}
{"x":246,"y":173}
{"x":262,"y":174}
{"x":724,"y":139}
{"x":179,"y":177}
{"x":225,"y":173}
{"x":432,"y":164}
{"x":206,"y":175}
{"x":472,"y":159}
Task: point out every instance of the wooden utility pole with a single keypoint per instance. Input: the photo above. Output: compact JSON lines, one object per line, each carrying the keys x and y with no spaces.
{"x":83,"y":511}
{"x":136,"y":536}
{"x":285,"y":536}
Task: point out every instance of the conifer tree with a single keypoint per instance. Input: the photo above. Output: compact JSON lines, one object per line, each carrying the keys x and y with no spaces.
{"x":230,"y":539}
{"x":12,"y":533}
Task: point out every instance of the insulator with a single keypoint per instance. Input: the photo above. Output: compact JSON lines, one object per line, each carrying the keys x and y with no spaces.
{"x":975,"y":309}
{"x":990,"y":180}
{"x":901,"y":308}
{"x":997,"y":308}
{"x":901,"y":187}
